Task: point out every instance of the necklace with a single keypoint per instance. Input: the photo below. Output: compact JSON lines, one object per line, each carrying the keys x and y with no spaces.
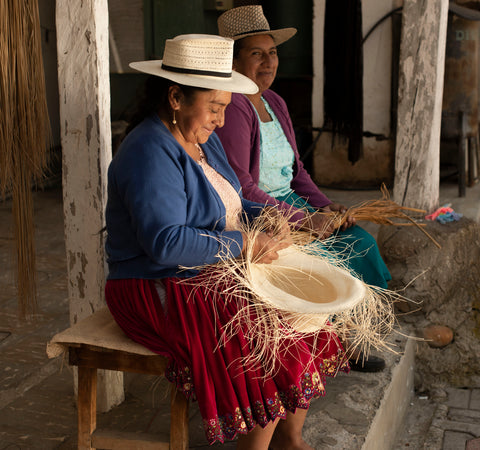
{"x":200,"y":153}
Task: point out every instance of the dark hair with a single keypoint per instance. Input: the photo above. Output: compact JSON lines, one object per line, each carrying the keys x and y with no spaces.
{"x":155,"y":98}
{"x":237,"y":46}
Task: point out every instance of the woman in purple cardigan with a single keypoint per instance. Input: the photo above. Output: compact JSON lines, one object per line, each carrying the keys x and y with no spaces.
{"x":259,"y":140}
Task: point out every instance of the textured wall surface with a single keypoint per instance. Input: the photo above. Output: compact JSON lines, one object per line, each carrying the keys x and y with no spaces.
{"x":446,"y":282}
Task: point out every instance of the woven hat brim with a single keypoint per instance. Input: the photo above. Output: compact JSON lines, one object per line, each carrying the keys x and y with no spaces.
{"x":279,"y":36}
{"x":300,"y":288}
{"x":236,"y":83}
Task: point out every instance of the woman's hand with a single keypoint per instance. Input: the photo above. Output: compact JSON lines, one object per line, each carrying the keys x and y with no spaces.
{"x":265,"y":246}
{"x":320,"y":224}
{"x":338,"y":208}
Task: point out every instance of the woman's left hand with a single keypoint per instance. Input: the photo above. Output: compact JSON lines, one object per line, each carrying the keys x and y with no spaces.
{"x":341,"y":209}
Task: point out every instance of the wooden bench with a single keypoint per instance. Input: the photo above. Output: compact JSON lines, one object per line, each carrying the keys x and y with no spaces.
{"x":98,"y":343}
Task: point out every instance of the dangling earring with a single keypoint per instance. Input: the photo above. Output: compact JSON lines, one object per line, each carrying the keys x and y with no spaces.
{"x":174,"y":121}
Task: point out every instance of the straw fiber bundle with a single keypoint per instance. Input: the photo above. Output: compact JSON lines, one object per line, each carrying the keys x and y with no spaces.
{"x":24,"y":131}
{"x":382,"y":211}
{"x":306,"y":292}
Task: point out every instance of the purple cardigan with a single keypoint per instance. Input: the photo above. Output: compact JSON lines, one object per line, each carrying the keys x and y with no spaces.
{"x":240,"y":138}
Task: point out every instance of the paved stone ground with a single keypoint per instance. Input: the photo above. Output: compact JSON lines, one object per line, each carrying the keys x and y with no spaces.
{"x":461,"y":424}
{"x":37,"y":403}
{"x":450,"y":420}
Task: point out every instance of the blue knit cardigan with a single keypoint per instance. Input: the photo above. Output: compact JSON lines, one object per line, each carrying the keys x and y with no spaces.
{"x":162,"y":212}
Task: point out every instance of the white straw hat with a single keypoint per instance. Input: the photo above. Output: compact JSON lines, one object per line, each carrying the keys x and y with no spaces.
{"x":244,"y":21}
{"x":199,"y":60}
{"x":300,"y":283}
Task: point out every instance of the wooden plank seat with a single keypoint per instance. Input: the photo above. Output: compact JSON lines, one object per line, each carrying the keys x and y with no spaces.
{"x":95,"y":343}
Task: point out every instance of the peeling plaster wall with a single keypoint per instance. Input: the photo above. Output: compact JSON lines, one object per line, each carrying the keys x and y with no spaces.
{"x":82,"y":40}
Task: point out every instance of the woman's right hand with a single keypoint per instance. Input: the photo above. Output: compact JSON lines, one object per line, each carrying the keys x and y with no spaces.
{"x":320,"y":224}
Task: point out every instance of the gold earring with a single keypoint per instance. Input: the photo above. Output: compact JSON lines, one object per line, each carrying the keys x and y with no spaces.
{"x":174,"y":121}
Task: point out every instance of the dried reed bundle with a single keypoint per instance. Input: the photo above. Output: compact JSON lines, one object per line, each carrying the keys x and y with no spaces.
{"x":379,"y":211}
{"x":382,"y":211}
{"x":24,"y":131}
{"x":271,"y":328}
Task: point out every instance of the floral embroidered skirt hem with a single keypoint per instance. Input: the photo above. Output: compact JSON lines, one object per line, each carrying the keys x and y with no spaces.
{"x":189,"y":329}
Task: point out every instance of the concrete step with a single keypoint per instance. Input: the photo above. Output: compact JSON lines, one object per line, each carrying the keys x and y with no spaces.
{"x":364,"y":410}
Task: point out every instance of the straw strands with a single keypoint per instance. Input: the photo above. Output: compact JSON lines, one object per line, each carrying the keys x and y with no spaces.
{"x":382,"y":211}
{"x":24,"y":130}
{"x":272,"y":328}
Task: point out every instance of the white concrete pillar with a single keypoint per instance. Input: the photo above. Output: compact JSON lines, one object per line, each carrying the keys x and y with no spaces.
{"x":422,"y":63}
{"x":84,"y":88}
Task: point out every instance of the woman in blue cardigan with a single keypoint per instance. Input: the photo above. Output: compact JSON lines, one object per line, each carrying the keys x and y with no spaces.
{"x":174,"y":204}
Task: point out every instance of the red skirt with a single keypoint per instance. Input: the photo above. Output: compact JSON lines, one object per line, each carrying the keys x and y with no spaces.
{"x":188,"y":328}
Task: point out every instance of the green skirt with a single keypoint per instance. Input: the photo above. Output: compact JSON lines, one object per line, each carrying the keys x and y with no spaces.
{"x":354,"y":247}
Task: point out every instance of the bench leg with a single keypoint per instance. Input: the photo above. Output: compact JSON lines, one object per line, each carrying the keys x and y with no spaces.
{"x":178,"y":421}
{"x":87,"y":406}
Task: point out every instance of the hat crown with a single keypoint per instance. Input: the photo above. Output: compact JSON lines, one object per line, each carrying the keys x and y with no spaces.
{"x":199,"y":60}
{"x":242,"y":20}
{"x":199,"y":53}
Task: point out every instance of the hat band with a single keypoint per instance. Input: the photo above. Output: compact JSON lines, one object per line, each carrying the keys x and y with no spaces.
{"x":253,"y":31}
{"x":197,"y":72}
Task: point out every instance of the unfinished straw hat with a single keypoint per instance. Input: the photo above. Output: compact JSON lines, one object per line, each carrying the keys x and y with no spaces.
{"x":302,"y":284}
{"x":199,"y":60}
{"x":244,"y":21}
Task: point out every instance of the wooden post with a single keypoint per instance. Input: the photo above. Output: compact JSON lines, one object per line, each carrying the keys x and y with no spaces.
{"x":422,"y":61}
{"x":179,"y":426}
{"x":84,"y":87}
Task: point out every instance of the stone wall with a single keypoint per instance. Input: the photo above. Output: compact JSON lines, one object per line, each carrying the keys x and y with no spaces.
{"x":446,"y":282}
{"x":332,"y":168}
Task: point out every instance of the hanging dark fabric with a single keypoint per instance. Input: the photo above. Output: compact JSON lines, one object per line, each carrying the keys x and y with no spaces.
{"x":343,"y":58}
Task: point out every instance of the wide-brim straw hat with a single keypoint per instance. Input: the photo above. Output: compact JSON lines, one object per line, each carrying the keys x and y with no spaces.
{"x":199,"y":60}
{"x":306,"y":286}
{"x":244,"y":21}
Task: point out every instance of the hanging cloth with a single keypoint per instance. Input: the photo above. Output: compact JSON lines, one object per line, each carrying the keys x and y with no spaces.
{"x":344,"y":72}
